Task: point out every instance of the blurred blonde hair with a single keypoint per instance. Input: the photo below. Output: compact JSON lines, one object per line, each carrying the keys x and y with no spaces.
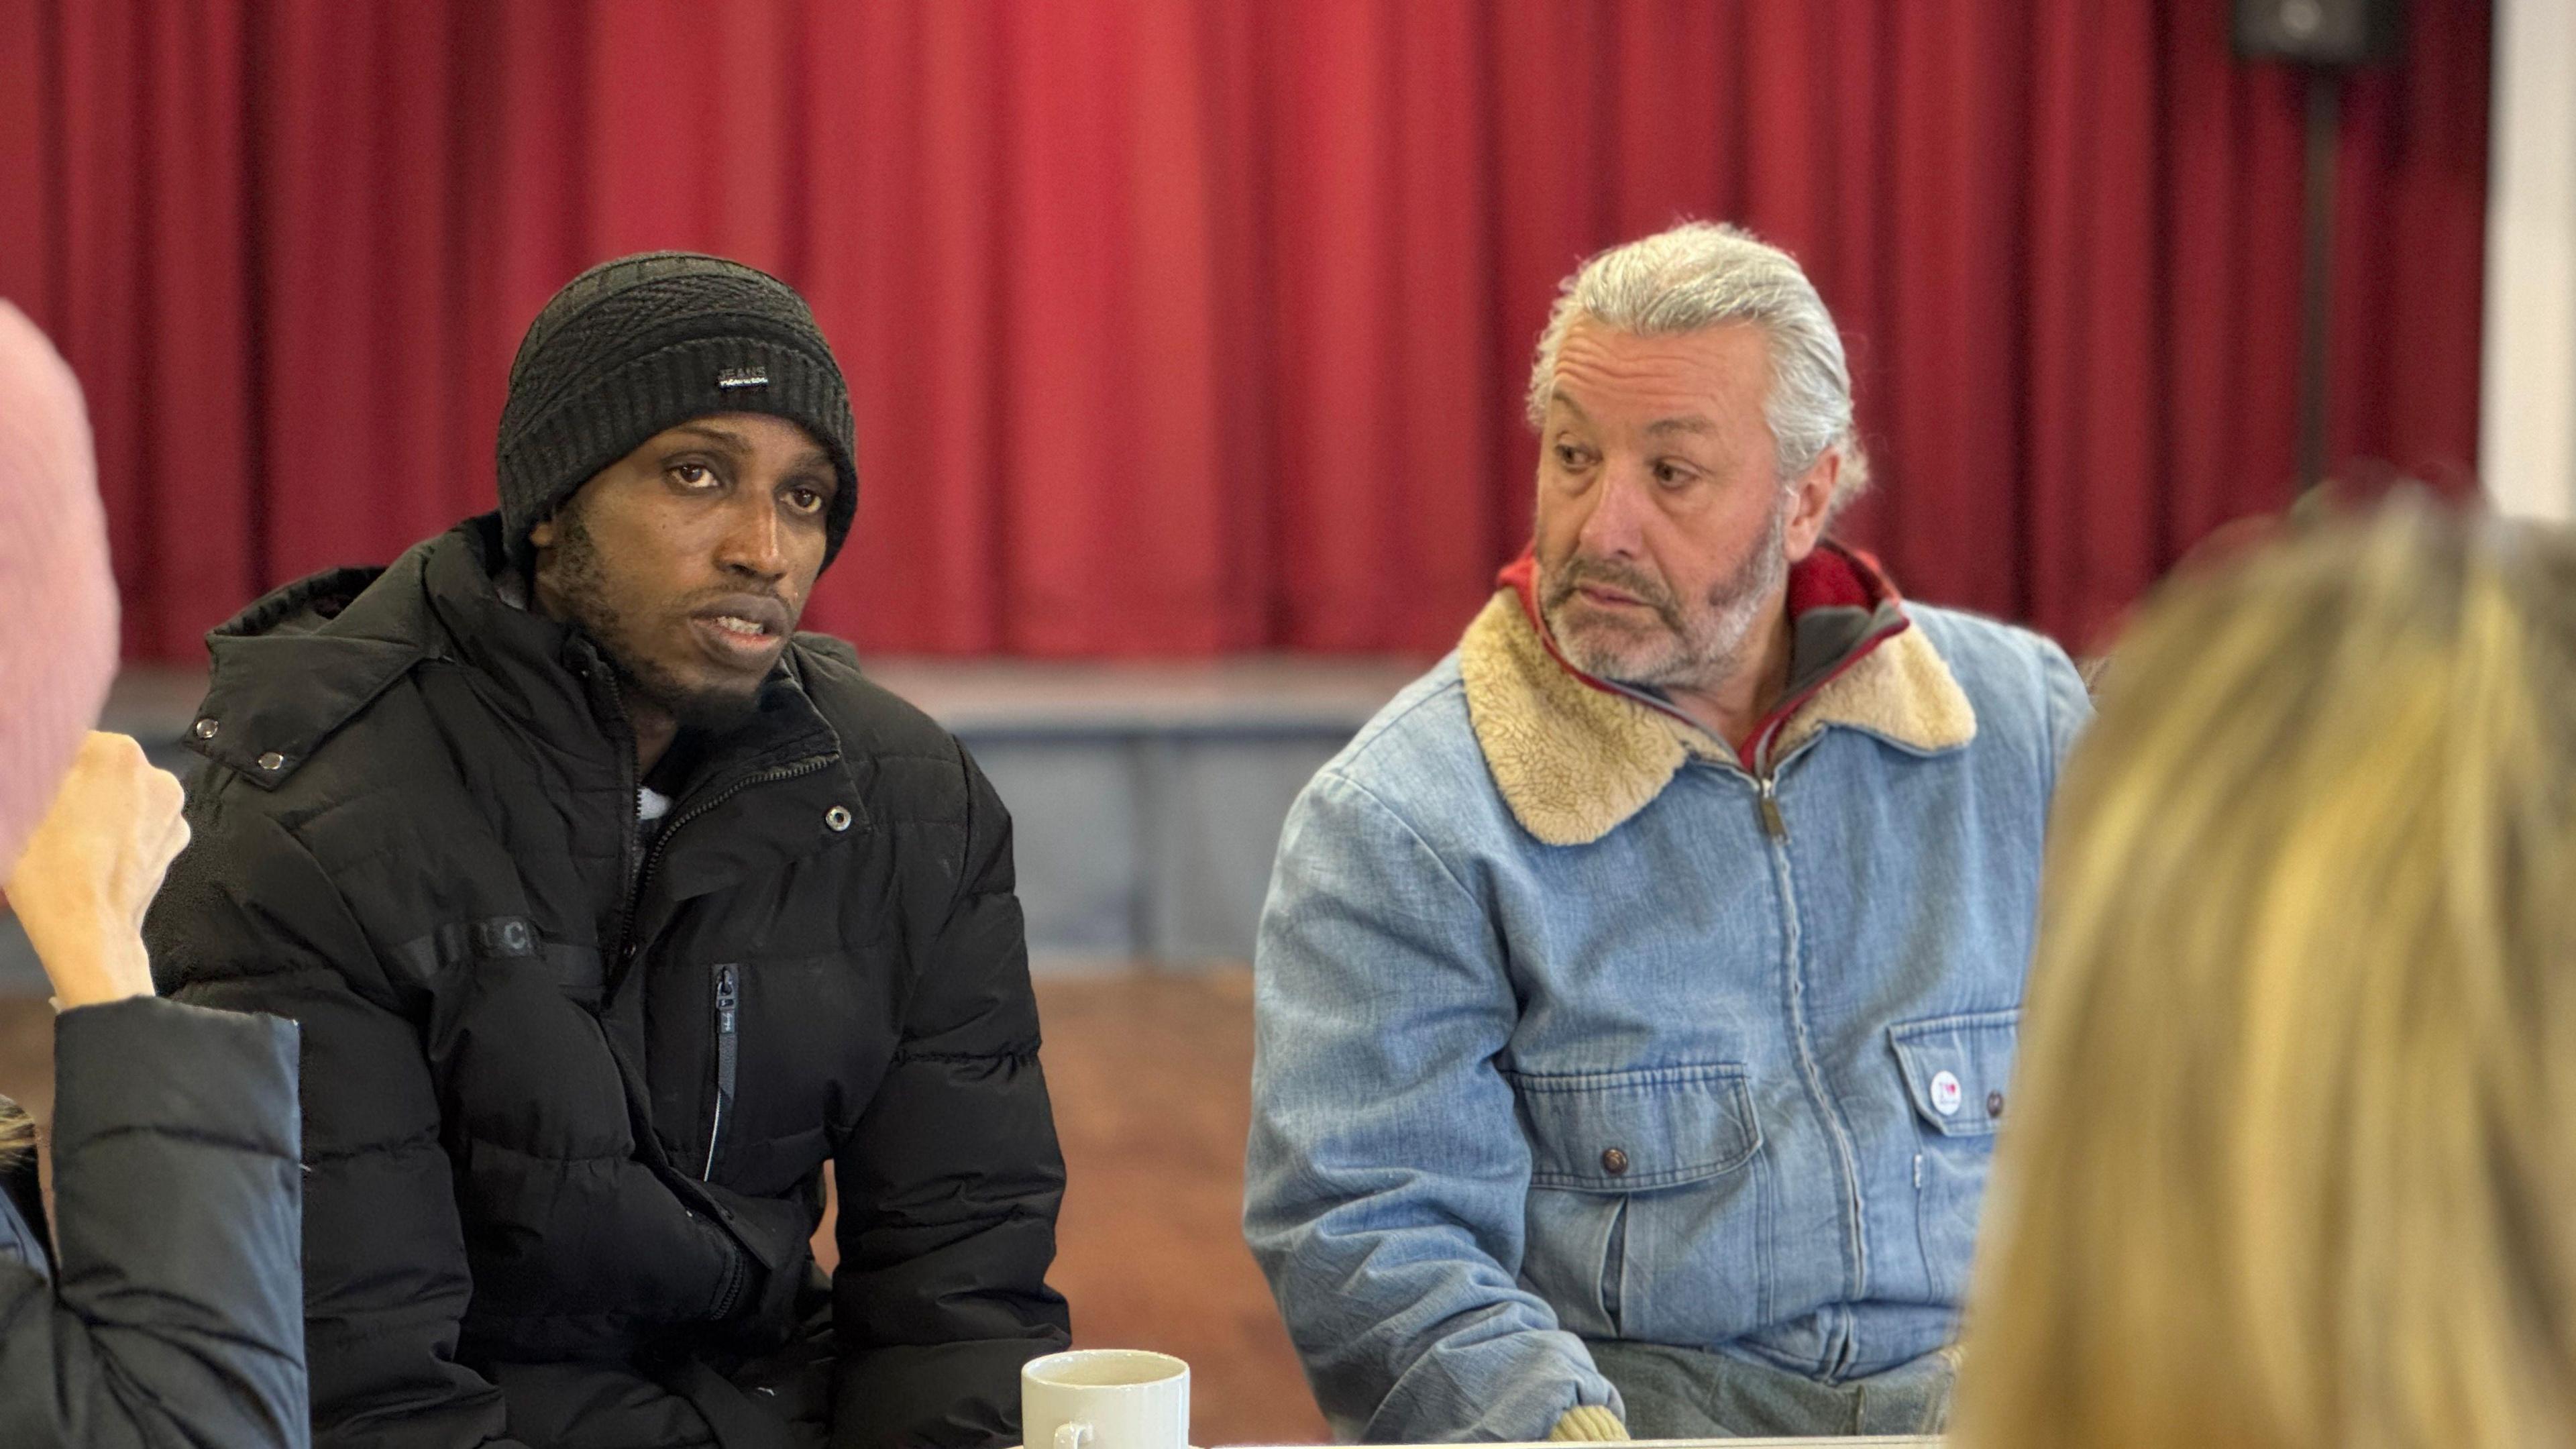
{"x":17,"y":1132}
{"x":2296,"y":1159}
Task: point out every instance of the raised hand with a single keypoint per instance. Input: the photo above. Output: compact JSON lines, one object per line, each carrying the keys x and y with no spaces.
{"x":91,"y":869}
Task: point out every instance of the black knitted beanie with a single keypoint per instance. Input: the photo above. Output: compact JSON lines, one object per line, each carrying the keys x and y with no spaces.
{"x":647,"y":342}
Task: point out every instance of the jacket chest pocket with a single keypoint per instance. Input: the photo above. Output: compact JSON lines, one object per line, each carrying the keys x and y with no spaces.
{"x":1958,"y":1073}
{"x":724,"y":1041}
{"x":1647,"y":1195}
{"x":779,"y":1051}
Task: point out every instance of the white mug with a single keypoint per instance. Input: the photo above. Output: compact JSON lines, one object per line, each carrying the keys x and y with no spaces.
{"x":1105,"y":1398}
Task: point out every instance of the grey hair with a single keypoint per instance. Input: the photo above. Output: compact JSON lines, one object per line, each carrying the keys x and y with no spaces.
{"x":1701,"y":274}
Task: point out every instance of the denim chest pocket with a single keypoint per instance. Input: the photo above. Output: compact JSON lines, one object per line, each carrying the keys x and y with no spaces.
{"x":1634,"y":1131}
{"x":1957,"y":1074}
{"x":1644,"y":1189}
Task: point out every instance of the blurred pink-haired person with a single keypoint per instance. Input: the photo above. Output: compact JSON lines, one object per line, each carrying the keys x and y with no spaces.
{"x":168,"y":1307}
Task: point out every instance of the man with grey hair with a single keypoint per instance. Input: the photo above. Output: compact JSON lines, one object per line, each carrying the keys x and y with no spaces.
{"x":1636,"y":993}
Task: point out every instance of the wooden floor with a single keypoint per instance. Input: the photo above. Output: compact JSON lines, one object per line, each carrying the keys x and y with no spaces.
{"x":1152,"y":1092}
{"x":1151,"y":1100}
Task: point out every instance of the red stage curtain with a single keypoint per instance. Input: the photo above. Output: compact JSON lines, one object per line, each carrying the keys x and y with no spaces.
{"x":1183,"y":326}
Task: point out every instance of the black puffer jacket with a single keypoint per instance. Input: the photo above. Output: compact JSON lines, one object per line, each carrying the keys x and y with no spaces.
{"x":568,"y":1096}
{"x":174,"y":1170}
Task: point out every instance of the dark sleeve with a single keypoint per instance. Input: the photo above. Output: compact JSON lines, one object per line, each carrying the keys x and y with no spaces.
{"x":177,"y":1319}
{"x":249,"y":921}
{"x":949,"y":1186}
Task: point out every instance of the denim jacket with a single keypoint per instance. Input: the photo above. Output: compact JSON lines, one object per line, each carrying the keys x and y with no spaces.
{"x":1573,"y":1023}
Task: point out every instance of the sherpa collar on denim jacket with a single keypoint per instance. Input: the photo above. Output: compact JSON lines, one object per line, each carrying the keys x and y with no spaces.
{"x":1575,"y":756}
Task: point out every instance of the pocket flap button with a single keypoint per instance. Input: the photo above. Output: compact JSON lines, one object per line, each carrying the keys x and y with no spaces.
{"x":1613,"y":1161}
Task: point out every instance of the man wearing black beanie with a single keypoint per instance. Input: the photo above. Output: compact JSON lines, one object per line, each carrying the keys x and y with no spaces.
{"x":613,"y":910}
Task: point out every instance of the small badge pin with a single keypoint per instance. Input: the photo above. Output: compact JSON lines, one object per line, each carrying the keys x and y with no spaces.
{"x":1945,"y":1093}
{"x":733,"y":377}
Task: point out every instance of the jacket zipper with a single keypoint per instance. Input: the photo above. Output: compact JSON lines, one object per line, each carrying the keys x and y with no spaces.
{"x":737,"y":1272}
{"x":662,"y":841}
{"x":1766,"y":788}
{"x":1766,"y":798}
{"x":1766,"y":785}
{"x":728,"y":1013}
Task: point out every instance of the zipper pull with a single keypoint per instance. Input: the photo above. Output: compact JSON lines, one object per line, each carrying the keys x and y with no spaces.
{"x":1772,"y":823}
{"x":728,"y":1003}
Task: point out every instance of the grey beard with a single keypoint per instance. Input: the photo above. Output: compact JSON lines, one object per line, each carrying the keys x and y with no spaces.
{"x":1688,"y":655}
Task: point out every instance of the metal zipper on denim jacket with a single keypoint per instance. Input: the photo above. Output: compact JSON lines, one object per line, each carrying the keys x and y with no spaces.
{"x":1766,"y":801}
{"x":1766,"y":786}
{"x":1766,"y":792}
{"x":1772,"y":823}
{"x":1844,"y":1149}
{"x":728,"y":1019}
